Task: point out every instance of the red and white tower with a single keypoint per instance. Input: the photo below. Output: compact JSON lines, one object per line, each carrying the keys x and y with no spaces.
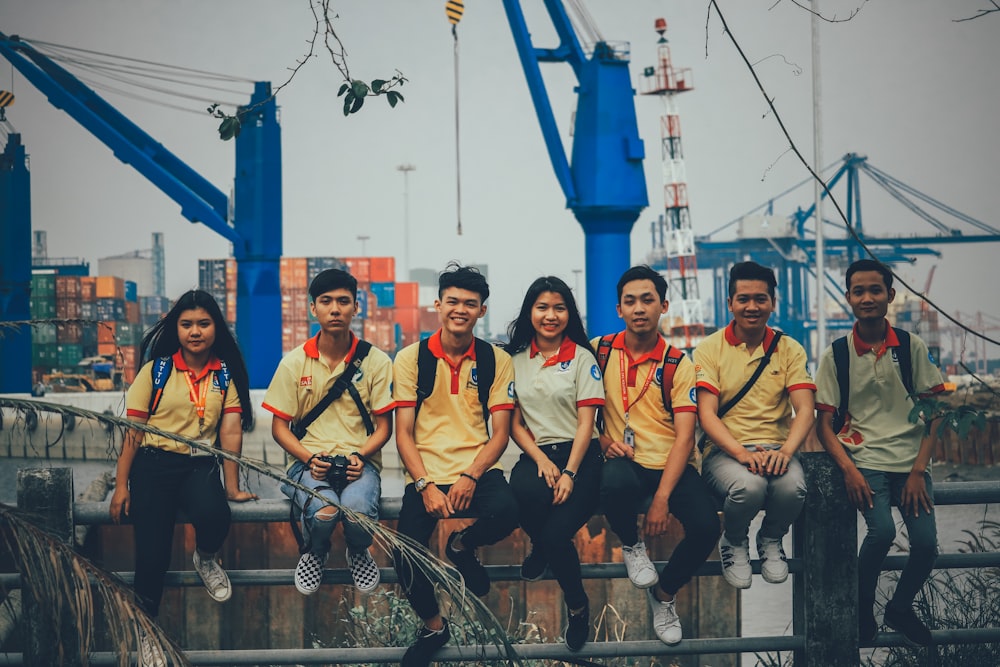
{"x":673,"y":238}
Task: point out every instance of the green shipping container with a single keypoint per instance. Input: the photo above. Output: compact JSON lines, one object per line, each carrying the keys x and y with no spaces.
{"x":43,"y":334}
{"x":43,"y":307}
{"x":44,"y":355}
{"x":69,"y":354}
{"x":43,"y":284}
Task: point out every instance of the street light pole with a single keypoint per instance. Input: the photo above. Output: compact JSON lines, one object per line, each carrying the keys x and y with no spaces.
{"x":363,"y":238}
{"x":406,"y":169}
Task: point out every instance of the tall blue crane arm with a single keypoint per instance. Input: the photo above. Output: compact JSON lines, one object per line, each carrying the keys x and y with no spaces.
{"x":200,"y":201}
{"x":568,"y":51}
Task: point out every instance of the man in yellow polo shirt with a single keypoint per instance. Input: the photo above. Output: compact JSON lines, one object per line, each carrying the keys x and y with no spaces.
{"x":650,"y":451}
{"x":450,"y":456}
{"x":303,"y":378}
{"x":749,"y":458}
{"x":885,"y":458}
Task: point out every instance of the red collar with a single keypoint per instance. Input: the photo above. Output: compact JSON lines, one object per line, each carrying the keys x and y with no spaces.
{"x":311,"y":346}
{"x":213,"y":364}
{"x":734,"y":340}
{"x":656,"y":353}
{"x":862,"y":347}
{"x":567,"y":350}
{"x":434,"y":344}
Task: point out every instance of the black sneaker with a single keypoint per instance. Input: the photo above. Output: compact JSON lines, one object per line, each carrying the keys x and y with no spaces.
{"x":578,"y":629}
{"x":905,"y":622}
{"x":476,"y":578}
{"x":867,"y":627}
{"x":533,"y":567}
{"x":427,"y":643}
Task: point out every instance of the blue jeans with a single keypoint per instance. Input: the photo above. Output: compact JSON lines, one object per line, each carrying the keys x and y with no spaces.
{"x":745,"y":493}
{"x":887,"y":488}
{"x":361,"y":496}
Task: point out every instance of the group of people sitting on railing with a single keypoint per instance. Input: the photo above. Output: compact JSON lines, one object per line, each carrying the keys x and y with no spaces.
{"x":608,"y":422}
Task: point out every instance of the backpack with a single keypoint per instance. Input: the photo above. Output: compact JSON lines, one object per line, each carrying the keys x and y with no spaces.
{"x":342,"y":384}
{"x":671,"y":358}
{"x":163,"y":366}
{"x":486,"y":369}
{"x":842,"y":362}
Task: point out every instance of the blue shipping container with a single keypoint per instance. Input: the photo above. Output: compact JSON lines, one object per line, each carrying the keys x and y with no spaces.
{"x":131,"y":291}
{"x":385,"y":294}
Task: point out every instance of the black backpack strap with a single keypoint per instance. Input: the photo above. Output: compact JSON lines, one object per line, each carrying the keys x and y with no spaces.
{"x":486,"y":371}
{"x":603,"y":353}
{"x":671,"y":359}
{"x":342,"y":384}
{"x":426,"y":372}
{"x":905,"y":358}
{"x":842,"y":363}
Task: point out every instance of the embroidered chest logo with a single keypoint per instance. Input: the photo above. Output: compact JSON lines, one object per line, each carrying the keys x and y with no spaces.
{"x":473,"y":377}
{"x":306,"y":381}
{"x":564,"y":366}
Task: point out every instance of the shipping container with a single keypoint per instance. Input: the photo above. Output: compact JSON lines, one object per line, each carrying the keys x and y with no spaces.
{"x":68,"y":354}
{"x":314,"y":329}
{"x":110,"y":287}
{"x":212,"y":274}
{"x":68,"y":287}
{"x":385,"y":294}
{"x":132,"y":312}
{"x":43,"y":334}
{"x":87,"y":310}
{"x":68,"y":309}
{"x":109,"y":309}
{"x":43,"y":284}
{"x":231,"y":275}
{"x":149,"y":321}
{"x":230,"y":308}
{"x":107,"y":349}
{"x":42,"y":307}
{"x":409,"y":320}
{"x":429,"y":319}
{"x":129,"y":361}
{"x":88,"y":336}
{"x":107,"y":331}
{"x":293,"y":273}
{"x":88,"y":288}
{"x":382,"y":269}
{"x":131,"y":291}
{"x":44,"y":355}
{"x":153,"y":305}
{"x":407,"y":295}
{"x":360,"y":268}
{"x":127,"y":333}
{"x":69,"y":333}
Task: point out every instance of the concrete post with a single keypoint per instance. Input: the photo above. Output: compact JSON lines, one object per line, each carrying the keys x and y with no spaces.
{"x":825,"y":594}
{"x":47,"y":494}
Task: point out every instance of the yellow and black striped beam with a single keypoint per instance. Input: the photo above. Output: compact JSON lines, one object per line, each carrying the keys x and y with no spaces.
{"x":6,"y":99}
{"x":454,"y":10}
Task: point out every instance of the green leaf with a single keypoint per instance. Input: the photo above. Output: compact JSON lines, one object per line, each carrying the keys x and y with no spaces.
{"x":348,"y":101}
{"x":229,"y":128}
{"x":359,"y":88}
{"x":915,"y":414}
{"x":357,"y":104}
{"x":377,"y":85}
{"x":344,"y":87}
{"x":394,"y":98}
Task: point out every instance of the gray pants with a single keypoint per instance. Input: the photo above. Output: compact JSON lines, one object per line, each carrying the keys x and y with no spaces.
{"x":781,"y":497}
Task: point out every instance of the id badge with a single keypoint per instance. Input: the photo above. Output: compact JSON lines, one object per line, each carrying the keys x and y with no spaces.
{"x":193,"y":451}
{"x":629,"y":437}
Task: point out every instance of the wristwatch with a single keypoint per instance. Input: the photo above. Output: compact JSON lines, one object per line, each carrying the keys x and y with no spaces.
{"x":569,"y":473}
{"x":421,"y":484}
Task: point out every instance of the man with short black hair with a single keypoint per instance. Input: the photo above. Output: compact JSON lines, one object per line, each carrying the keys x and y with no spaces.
{"x":338,"y":434}
{"x":884,"y":457}
{"x":649,"y":447}
{"x":451,"y":457}
{"x":749,"y":457}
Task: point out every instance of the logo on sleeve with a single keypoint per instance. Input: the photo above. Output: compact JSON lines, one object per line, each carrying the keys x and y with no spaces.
{"x":510,"y":390}
{"x":306,"y":381}
{"x":658,"y":378}
{"x":930,"y":357}
{"x":595,"y":372}
{"x":693,"y":395}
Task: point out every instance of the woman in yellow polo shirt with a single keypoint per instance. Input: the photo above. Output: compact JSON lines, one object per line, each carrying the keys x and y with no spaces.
{"x":195,"y":384}
{"x":557,"y":478}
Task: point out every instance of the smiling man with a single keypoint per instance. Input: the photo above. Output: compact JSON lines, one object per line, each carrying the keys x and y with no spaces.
{"x":751,"y":440}
{"x":648,"y":440}
{"x":447,"y":387}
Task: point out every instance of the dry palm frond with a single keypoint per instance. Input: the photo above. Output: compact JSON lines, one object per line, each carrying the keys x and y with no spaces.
{"x":62,"y":584}
{"x":486,"y":629}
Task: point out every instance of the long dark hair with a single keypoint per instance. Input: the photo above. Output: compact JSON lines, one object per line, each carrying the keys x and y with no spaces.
{"x":161,"y":340}
{"x":520,"y":332}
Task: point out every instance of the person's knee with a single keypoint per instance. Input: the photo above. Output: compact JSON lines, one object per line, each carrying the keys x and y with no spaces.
{"x":881,"y":533}
{"x":749,"y":491}
{"x":923,"y":543}
{"x":325,"y":514}
{"x":616,"y":478}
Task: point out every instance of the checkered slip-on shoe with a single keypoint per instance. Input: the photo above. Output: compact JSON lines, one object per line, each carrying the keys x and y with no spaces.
{"x":364,"y":570}
{"x":309,"y":573}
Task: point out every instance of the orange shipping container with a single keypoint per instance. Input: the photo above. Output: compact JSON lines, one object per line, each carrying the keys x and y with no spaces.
{"x":230,"y":306}
{"x":67,"y":287}
{"x":129,"y":361}
{"x":429,"y":320}
{"x":382,"y":269}
{"x":408,"y":320}
{"x":294,"y":273}
{"x":107,"y":349}
{"x":88,"y":288}
{"x":106,"y":332}
{"x":110,"y":287}
{"x":360,"y":268}
{"x":132,"y":312}
{"x":230,"y":275}
{"x":407,"y":295}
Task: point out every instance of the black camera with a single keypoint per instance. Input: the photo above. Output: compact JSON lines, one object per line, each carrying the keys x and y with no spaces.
{"x":336,"y":475}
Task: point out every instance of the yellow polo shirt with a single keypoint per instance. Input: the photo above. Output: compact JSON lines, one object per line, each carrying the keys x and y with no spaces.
{"x":653,"y":425}
{"x":450,"y":429}
{"x":549,"y":392}
{"x":303,"y":379}
{"x":763,"y":416}
{"x":176,"y":412}
{"x":879,"y":435}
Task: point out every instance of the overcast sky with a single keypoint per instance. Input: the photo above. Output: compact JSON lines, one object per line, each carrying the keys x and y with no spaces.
{"x":902,"y":82}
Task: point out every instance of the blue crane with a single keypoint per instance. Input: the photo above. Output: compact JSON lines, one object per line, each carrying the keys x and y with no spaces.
{"x":604,"y":185}
{"x":15,"y":261}
{"x":255,"y":229}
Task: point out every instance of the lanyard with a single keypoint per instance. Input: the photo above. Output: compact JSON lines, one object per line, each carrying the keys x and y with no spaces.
{"x":198,"y":396}
{"x":622,"y":365}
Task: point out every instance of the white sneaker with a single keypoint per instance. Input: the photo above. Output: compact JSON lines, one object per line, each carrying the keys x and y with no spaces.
{"x":150,"y":654}
{"x":735,"y":562}
{"x":773,"y":565}
{"x":364,"y":570}
{"x":666,"y":623}
{"x":309,"y":573}
{"x":214,"y":577}
{"x":640,"y":569}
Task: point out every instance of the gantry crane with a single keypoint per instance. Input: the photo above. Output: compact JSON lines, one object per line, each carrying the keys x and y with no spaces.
{"x":255,"y":229}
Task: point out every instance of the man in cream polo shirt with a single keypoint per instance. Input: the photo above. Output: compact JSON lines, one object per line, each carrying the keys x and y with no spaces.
{"x":451,"y":457}
{"x":749,"y":459}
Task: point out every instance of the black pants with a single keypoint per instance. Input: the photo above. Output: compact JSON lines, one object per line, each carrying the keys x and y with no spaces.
{"x":492,"y":502}
{"x":625,"y":485}
{"x":160,"y":484}
{"x":552,"y":527}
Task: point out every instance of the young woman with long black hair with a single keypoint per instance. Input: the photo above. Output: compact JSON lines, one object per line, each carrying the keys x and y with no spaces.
{"x":557,"y":478}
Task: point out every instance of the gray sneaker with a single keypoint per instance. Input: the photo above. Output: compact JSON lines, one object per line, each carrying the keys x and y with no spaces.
{"x":640,"y":569}
{"x":736,"y":562}
{"x":150,"y":654}
{"x":666,"y":623}
{"x":214,"y":577}
{"x":773,"y":566}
